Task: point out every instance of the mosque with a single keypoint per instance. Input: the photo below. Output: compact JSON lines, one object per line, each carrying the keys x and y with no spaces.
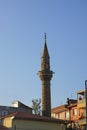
{"x":24,"y":120}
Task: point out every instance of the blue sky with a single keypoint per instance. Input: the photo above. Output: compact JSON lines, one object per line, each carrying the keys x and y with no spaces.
{"x":22,"y":27}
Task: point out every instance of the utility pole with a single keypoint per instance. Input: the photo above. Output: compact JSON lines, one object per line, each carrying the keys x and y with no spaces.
{"x":86,"y":101}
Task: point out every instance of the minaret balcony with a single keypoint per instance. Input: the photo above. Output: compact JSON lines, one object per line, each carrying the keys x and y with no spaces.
{"x":44,"y":75}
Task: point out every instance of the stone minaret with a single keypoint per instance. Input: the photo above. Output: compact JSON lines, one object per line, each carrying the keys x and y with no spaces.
{"x":45,"y":75}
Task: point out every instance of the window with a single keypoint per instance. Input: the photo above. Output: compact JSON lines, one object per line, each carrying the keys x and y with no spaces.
{"x":59,"y":116}
{"x":74,"y":112}
{"x":66,"y":114}
{"x":4,"y":113}
{"x":53,"y":115}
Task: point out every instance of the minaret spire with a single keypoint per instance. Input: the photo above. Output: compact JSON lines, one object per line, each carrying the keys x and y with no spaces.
{"x":45,"y":52}
{"x":45,"y":75}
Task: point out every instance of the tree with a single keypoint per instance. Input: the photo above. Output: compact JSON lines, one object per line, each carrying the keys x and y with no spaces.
{"x":36,"y":106}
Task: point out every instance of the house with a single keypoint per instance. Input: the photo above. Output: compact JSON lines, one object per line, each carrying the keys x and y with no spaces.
{"x":73,"y":111}
{"x":16,"y":107}
{"x":26,"y":121}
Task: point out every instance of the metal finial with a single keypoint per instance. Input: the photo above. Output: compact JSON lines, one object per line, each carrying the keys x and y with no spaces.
{"x":45,"y":37}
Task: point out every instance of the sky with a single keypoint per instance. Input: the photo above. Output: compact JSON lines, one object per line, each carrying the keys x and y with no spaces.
{"x":22,"y":27}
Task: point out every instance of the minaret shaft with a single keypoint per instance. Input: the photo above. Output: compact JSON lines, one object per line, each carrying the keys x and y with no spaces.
{"x":46,"y":99}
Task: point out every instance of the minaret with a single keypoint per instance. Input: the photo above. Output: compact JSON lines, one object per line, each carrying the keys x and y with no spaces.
{"x":45,"y":75}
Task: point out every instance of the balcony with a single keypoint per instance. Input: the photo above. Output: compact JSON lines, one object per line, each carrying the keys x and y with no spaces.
{"x":82,"y":121}
{"x":81,"y":103}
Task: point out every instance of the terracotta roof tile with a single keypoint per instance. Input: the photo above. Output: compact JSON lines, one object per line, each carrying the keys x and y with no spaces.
{"x":59,"y":108}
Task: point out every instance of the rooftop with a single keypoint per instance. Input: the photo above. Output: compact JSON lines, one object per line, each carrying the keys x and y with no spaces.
{"x":27,"y":116}
{"x":59,"y":109}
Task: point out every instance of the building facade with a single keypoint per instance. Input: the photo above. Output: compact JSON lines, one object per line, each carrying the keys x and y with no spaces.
{"x":74,"y":111}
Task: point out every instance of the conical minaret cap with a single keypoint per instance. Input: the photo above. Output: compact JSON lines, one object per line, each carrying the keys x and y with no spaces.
{"x":45,"y":52}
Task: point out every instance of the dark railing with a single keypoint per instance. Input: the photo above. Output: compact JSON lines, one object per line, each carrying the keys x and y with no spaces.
{"x":81,"y":101}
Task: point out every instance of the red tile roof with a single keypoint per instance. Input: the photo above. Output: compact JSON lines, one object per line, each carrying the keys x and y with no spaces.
{"x":27,"y":116}
{"x":59,"y":109}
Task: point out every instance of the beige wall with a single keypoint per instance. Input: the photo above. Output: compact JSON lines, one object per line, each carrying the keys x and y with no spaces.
{"x":37,"y":125}
{"x":31,"y":125}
